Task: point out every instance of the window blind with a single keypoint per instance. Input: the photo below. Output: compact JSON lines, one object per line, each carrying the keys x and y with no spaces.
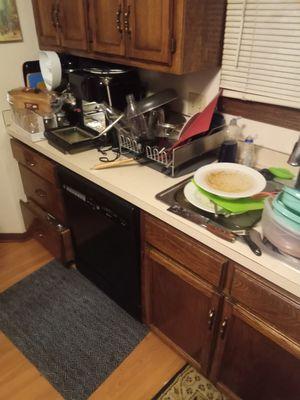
{"x":261,"y":54}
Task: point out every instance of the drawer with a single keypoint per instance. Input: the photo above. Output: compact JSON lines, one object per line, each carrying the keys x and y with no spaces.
{"x":34,"y":161}
{"x":48,"y":232}
{"x":202,"y":261}
{"x":44,"y":193}
{"x":267,"y":301}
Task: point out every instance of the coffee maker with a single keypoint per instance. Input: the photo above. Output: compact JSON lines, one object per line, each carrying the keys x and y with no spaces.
{"x":93,"y":86}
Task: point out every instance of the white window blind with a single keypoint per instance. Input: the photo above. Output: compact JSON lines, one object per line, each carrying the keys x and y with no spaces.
{"x":261,"y":55}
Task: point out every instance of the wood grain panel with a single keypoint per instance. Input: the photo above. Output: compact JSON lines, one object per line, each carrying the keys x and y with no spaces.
{"x":201,"y":260}
{"x":107,"y":33}
{"x":43,"y":193}
{"x":254,"y":361}
{"x":179,"y":306}
{"x":267,"y":302}
{"x":18,"y":260}
{"x":143,"y":373}
{"x":73,"y":24}
{"x":57,"y":241}
{"x":150,"y":30}
{"x":19,"y":379}
{"x":34,"y":161}
{"x":268,"y":113}
{"x":47,"y":32}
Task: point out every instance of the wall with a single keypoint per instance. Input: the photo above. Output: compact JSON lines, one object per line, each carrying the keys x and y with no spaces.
{"x":12,"y":56}
{"x":207,"y":83}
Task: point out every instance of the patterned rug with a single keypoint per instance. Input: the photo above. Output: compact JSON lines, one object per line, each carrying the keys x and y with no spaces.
{"x":188,"y":384}
{"x":69,"y":329}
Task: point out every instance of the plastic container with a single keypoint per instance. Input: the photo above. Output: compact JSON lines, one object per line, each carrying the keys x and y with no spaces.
{"x":285,"y":215}
{"x":247,"y":155}
{"x":286,"y":239}
{"x":291,"y":199}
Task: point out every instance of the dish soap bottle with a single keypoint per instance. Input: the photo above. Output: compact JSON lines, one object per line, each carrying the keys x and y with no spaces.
{"x":247,"y":156}
{"x":228,"y":151}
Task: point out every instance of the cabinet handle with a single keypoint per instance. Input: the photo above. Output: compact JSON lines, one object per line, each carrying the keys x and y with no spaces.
{"x":40,"y":234}
{"x":118,"y":19}
{"x":211,"y":318}
{"x":223,"y":328}
{"x":40,"y":193}
{"x":30,"y":163}
{"x":126,"y":21}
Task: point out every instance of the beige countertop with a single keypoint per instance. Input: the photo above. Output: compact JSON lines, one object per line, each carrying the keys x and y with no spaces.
{"x":139,"y":185}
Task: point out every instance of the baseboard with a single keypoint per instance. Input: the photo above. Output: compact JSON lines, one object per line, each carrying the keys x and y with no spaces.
{"x":14,"y":237}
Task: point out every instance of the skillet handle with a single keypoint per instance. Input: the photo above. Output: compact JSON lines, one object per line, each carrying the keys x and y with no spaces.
{"x":253,"y":246}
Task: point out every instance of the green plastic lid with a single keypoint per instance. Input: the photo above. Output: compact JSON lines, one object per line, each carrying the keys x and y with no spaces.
{"x":281,"y":173}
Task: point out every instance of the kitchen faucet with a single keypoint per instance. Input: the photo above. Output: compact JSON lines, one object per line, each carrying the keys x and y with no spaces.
{"x":294,"y":160}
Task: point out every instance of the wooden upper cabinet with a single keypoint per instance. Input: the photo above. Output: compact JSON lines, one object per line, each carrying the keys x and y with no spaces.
{"x":179,"y":307}
{"x":175,"y":36}
{"x":45,"y":12}
{"x":148,"y":24}
{"x":72,"y":24}
{"x":254,"y":360}
{"x":106,"y":25}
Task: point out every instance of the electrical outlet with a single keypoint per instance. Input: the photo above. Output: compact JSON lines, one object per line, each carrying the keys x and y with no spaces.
{"x":195,"y":101}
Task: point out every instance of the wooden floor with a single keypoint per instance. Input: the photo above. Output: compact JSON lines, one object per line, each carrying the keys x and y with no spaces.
{"x":139,"y":377}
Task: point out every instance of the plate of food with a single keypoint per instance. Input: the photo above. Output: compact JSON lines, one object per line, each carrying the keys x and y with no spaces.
{"x":230,"y":180}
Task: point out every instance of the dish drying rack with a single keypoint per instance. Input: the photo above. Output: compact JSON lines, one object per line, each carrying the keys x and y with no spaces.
{"x":173,"y":158}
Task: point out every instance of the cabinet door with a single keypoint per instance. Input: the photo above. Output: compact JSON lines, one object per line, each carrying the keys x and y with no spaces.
{"x":45,"y":15}
{"x":179,"y":307}
{"x":148,"y":25}
{"x":106,"y":24}
{"x":72,"y":24}
{"x":253,"y":360}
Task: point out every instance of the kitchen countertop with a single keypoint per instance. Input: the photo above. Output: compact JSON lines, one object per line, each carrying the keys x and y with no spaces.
{"x":139,"y":185}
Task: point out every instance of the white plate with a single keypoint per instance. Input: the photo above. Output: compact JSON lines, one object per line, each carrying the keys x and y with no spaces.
{"x":50,"y":68}
{"x":197,"y":199}
{"x":255,"y":181}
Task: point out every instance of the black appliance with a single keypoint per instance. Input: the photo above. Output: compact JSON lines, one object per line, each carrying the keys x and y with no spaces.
{"x":105,"y":84}
{"x":106,"y":237}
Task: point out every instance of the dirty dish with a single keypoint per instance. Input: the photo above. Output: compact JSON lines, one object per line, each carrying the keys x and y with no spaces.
{"x":197,"y":198}
{"x":230,"y":180}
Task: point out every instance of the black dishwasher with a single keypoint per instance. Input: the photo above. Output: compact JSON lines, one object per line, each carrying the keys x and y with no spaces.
{"x":106,"y":238}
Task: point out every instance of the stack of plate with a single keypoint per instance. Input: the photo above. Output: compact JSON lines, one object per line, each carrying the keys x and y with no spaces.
{"x":225,"y":188}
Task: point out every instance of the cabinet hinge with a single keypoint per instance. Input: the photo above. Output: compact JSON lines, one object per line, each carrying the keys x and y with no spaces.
{"x":173,"y":45}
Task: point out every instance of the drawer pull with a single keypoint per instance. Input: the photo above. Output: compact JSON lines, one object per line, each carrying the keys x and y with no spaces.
{"x":40,"y":193}
{"x":40,"y":235}
{"x":223,"y":328}
{"x":30,"y":163}
{"x":211,"y":318}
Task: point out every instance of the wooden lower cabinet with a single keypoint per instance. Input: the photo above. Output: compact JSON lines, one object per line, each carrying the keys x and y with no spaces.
{"x":52,"y":235}
{"x":180,"y":307}
{"x":253,"y":360}
{"x":238,"y":329}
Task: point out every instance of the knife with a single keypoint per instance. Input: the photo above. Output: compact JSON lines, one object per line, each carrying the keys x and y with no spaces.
{"x":212,"y":227}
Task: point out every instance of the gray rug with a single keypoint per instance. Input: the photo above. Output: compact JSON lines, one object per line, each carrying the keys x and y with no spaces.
{"x":70,"y":330}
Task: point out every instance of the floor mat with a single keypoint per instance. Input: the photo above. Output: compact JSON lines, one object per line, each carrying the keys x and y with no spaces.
{"x":188,"y":384}
{"x":71,"y":331}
